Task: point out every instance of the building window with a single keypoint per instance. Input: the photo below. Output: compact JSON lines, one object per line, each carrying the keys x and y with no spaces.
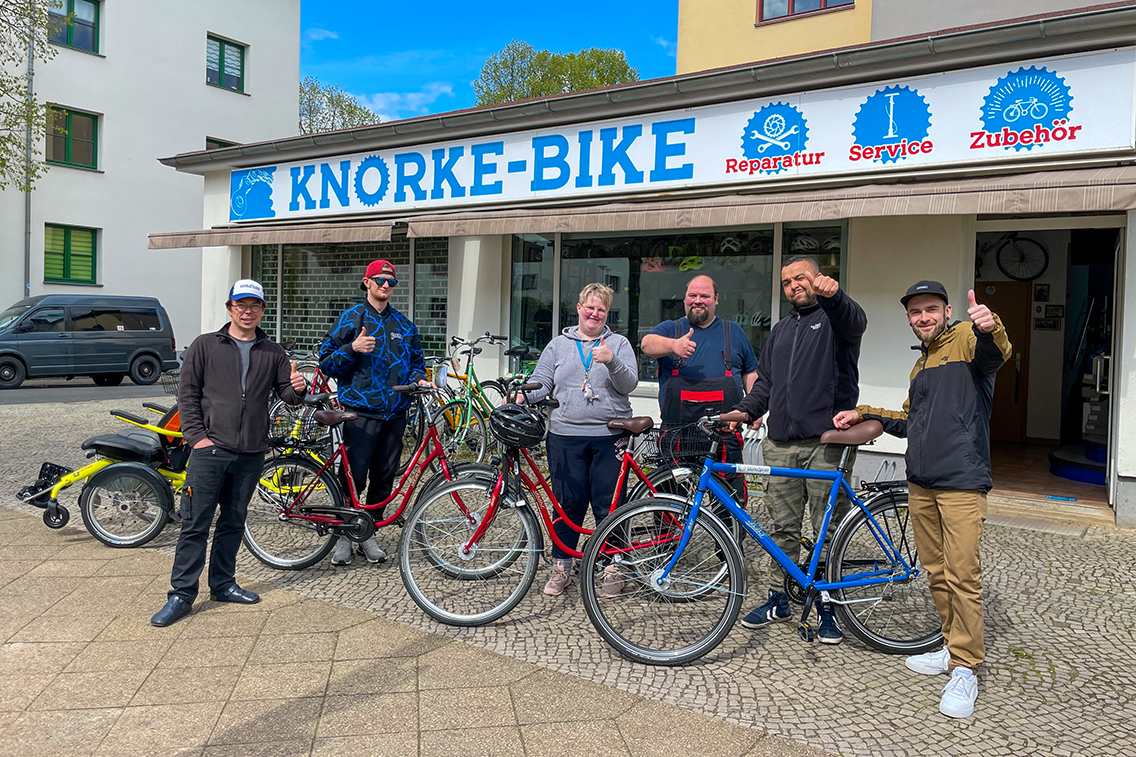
{"x":75,"y":23}
{"x":225,"y":64}
{"x":217,"y":144}
{"x":771,"y":10}
{"x":530,"y":320}
{"x":69,"y":254}
{"x":72,"y":138}
{"x":824,"y":244}
{"x":649,"y":275}
{"x":431,"y":292}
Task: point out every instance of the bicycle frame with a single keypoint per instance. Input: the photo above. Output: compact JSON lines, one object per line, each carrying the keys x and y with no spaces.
{"x":898,"y":570}
{"x":628,"y":465}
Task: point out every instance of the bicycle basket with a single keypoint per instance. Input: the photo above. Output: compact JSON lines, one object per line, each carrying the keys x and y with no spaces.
{"x":295,"y":425}
{"x":675,"y":444}
{"x":170,"y":382}
{"x":441,"y":375}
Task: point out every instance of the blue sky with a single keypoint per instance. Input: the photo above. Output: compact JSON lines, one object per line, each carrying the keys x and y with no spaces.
{"x":406,"y":59}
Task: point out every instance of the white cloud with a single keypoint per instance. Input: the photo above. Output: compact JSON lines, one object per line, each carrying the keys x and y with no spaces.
{"x":671,"y":48}
{"x":313,"y":35}
{"x":392,"y":106}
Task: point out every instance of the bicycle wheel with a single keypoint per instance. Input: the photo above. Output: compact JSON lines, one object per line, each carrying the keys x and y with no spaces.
{"x":125,"y":507}
{"x":682,"y":481}
{"x":463,"y":431}
{"x":680,"y":620}
{"x":283,"y":541}
{"x":494,"y":392}
{"x":897,"y":617}
{"x":1022,"y":259}
{"x":457,"y":470}
{"x":479,"y":587}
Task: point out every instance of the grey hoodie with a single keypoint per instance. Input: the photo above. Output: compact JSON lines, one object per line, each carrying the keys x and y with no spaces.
{"x":561,"y":374}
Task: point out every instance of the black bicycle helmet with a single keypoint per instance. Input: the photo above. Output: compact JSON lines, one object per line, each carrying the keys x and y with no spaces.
{"x":518,"y":426}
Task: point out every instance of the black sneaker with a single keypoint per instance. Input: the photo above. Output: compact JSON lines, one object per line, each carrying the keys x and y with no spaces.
{"x":829,"y":632}
{"x":776,"y":609}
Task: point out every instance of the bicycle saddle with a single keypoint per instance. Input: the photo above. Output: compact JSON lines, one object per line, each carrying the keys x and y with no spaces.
{"x":636,"y":425}
{"x":334,"y":417}
{"x":861,"y":433}
{"x":316,"y":399}
{"x":134,"y":445}
{"x":521,"y":350}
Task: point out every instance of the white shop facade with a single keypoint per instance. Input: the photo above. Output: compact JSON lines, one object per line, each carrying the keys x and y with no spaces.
{"x":1006,"y":168}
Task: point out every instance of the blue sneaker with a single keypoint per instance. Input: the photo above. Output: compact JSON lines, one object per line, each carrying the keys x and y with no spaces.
{"x":829,"y":632}
{"x":776,"y":609}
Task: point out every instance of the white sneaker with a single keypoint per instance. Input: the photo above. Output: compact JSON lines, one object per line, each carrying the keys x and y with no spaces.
{"x":372,"y":551}
{"x":959,"y":694}
{"x":343,"y":550}
{"x":930,"y":664}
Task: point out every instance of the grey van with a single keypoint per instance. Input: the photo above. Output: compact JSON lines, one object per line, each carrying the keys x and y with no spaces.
{"x":104,"y":337}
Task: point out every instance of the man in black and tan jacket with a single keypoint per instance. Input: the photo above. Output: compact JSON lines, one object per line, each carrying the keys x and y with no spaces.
{"x":227,"y":377}
{"x":946,"y":420}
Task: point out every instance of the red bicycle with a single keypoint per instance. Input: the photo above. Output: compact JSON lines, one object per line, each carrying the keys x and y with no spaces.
{"x":299,"y":506}
{"x":469,"y":550}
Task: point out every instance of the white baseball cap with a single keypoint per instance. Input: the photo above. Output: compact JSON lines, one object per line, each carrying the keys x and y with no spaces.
{"x":246,"y":288}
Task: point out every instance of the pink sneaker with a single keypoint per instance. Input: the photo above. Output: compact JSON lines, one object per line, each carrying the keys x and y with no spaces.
{"x":560,"y":579}
{"x":612,"y":584}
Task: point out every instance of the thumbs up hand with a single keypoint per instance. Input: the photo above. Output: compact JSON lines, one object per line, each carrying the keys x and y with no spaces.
{"x":363,"y":343}
{"x":683,"y":347}
{"x":824,"y":286}
{"x":297,"y":380}
{"x":601,"y":353}
{"x":980,"y":315}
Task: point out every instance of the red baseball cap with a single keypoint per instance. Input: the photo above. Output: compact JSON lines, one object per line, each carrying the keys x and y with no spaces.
{"x":377,"y":268}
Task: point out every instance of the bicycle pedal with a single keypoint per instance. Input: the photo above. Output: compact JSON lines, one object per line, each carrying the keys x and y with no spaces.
{"x":805,"y":631}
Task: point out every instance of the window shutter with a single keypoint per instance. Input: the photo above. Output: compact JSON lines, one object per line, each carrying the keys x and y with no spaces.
{"x":54,"y":252}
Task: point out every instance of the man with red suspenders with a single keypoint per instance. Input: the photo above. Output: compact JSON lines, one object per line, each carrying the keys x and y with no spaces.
{"x":706,"y":365}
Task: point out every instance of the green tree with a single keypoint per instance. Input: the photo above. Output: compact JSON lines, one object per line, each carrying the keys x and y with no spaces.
{"x":519,"y":72}
{"x":23,"y":26}
{"x":325,"y":107}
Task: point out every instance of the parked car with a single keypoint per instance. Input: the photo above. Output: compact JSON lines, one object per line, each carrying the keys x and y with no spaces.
{"x":104,"y":337}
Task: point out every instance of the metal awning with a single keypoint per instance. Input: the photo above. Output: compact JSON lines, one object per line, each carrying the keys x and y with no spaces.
{"x":1072,"y":191}
{"x":296,"y":233}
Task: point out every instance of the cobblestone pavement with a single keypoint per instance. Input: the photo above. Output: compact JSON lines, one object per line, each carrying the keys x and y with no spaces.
{"x":1059,"y":634}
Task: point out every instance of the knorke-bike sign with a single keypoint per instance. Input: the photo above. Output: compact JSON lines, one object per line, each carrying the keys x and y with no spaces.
{"x":1034,"y":110}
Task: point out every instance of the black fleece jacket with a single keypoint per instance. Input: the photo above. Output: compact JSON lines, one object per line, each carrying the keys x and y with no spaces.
{"x":808,"y":370}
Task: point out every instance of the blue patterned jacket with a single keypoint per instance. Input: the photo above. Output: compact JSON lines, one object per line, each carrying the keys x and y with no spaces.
{"x":365,"y":380}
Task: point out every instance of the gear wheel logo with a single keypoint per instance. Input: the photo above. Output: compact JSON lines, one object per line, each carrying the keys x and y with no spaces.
{"x":777,"y":130}
{"x":1024,"y":99}
{"x":371,"y":199}
{"x":891,"y":116}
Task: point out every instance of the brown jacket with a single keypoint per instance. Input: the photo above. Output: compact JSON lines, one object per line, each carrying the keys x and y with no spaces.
{"x":210,"y":401}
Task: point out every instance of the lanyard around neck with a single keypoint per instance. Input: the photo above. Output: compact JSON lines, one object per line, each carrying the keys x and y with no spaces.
{"x":588,"y":362}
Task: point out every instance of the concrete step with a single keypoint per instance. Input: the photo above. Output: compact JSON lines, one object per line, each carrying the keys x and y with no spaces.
{"x":1070,"y":512}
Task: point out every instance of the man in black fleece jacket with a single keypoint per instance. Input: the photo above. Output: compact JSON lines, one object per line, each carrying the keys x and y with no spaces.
{"x":807,"y":373}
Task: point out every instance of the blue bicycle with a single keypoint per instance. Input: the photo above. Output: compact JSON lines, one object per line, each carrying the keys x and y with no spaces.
{"x":681,"y":578}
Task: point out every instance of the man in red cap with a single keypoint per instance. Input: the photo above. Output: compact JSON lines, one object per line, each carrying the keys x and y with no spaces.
{"x":371,"y":348}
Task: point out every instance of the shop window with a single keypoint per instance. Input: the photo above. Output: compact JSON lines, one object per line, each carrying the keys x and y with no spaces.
{"x":72,"y":138}
{"x":69,"y":254}
{"x":431,"y":270}
{"x":772,"y":10}
{"x":649,"y":275}
{"x":75,"y":23}
{"x":217,"y":144}
{"x":825,"y":244}
{"x":533,"y":267}
{"x":225,"y":64}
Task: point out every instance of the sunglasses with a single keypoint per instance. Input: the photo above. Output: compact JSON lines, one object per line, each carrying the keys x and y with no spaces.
{"x":388,"y":280}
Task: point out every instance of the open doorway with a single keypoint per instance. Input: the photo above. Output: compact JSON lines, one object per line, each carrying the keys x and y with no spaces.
{"x":1052,"y":288}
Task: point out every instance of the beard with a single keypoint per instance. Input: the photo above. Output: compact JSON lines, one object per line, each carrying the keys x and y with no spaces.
{"x":934,"y":334}
{"x":810,"y":300}
{"x":698,"y":316}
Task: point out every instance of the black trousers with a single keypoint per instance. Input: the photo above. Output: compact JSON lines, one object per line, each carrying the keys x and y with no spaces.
{"x":214,"y":477}
{"x":583,"y":469}
{"x":373,"y":450}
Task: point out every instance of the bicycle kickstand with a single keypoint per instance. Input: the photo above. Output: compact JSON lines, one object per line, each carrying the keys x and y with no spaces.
{"x":804,"y":628}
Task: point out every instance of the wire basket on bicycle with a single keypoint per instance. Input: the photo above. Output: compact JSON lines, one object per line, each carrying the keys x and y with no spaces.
{"x":170,"y":382}
{"x":674,"y":444}
{"x":295,"y":426}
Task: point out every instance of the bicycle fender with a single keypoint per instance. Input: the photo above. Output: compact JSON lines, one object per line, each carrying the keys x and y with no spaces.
{"x":166,"y":496}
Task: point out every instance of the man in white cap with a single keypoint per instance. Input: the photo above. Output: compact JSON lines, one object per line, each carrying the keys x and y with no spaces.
{"x":227,"y":377}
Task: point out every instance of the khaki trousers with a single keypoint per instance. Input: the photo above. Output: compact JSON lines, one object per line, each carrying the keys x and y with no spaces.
{"x":948,"y":527}
{"x":787,"y":497}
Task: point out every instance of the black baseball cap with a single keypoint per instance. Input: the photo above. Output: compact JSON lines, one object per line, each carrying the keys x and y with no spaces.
{"x":925,"y":287}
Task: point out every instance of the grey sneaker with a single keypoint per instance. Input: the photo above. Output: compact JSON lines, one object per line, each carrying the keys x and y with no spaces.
{"x":612,"y":584}
{"x":372,"y":551}
{"x":343,"y":552}
{"x":560,"y":579}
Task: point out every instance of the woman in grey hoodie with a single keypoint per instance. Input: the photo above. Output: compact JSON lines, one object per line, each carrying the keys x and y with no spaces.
{"x":590,"y":371}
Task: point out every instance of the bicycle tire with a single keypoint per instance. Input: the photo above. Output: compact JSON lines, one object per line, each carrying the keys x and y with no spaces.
{"x":123,"y":506}
{"x":462,"y":430}
{"x":682,"y":481}
{"x":494,"y":392}
{"x":289,"y":543}
{"x":470,"y":591}
{"x":637,"y":623}
{"x":904,"y":619}
{"x":1026,"y":261}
